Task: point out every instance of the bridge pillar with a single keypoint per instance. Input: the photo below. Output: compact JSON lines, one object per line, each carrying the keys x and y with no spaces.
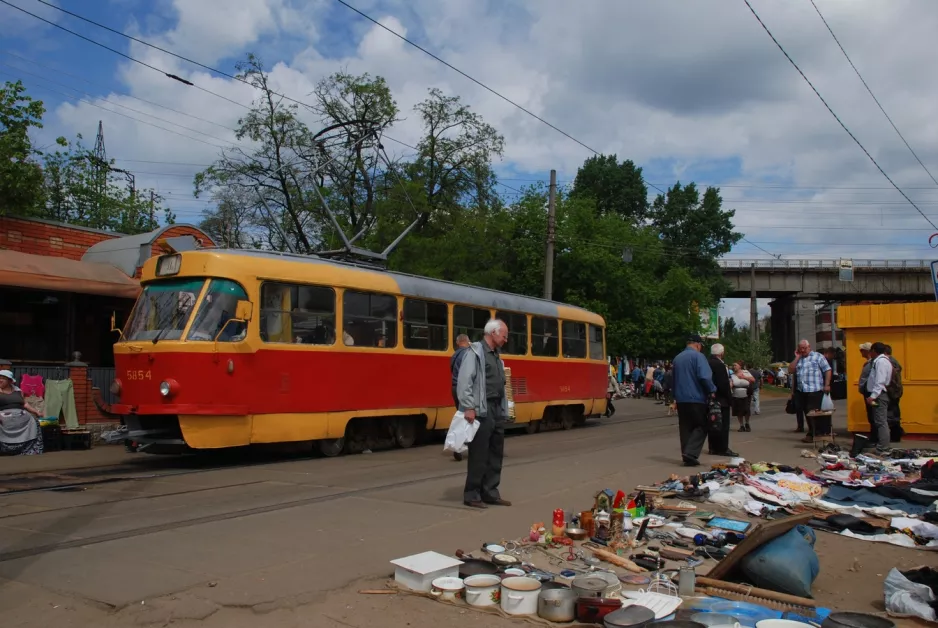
{"x":783,"y":332}
{"x":805,"y":320}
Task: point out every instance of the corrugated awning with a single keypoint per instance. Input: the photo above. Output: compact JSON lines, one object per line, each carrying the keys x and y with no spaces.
{"x":39,"y":272}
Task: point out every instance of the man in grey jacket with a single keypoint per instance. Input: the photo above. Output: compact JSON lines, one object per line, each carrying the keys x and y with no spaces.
{"x":480,"y":389}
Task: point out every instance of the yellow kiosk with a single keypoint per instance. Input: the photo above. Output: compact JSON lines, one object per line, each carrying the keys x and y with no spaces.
{"x":912,"y":331}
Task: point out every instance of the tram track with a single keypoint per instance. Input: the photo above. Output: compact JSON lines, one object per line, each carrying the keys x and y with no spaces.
{"x":86,"y":477}
{"x":528,"y":458}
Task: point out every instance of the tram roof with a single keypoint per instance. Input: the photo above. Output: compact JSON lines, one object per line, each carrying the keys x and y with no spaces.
{"x":426,"y":288}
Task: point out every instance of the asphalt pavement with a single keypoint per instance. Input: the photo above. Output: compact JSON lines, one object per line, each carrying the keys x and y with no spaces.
{"x":280,"y":532}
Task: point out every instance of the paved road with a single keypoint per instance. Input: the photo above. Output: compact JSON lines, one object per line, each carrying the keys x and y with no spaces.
{"x":276,"y":533}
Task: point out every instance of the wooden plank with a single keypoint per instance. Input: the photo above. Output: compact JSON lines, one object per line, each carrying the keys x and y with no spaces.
{"x":756,"y":538}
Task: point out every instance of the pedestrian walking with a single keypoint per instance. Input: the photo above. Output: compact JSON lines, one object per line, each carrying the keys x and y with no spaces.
{"x":895,"y":396}
{"x":719,"y":439}
{"x":693,"y":386}
{"x":880,"y":377}
{"x":481,"y":393}
{"x":462,"y":346}
{"x":812,"y":380}
{"x":863,"y":385}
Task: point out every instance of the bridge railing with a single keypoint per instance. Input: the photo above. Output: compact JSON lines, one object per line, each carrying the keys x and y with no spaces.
{"x":833,"y":264}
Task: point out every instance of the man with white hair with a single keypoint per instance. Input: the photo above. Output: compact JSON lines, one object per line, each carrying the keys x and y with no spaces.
{"x":480,"y":390}
{"x":719,"y":440}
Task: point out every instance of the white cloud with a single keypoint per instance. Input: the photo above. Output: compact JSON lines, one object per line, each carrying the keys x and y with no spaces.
{"x":680,"y":83}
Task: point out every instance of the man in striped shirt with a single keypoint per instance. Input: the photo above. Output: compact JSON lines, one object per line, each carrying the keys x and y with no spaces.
{"x":812,"y":381}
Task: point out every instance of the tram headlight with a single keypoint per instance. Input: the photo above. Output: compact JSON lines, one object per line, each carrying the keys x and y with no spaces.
{"x":169,"y":387}
{"x":116,"y":387}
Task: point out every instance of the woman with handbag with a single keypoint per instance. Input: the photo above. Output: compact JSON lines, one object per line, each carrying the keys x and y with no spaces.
{"x":742,"y":382}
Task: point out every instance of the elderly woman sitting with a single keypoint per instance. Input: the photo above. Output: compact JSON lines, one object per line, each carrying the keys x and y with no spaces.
{"x":19,"y":427}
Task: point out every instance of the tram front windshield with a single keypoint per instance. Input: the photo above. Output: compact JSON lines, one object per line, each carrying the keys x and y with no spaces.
{"x":163,"y":309}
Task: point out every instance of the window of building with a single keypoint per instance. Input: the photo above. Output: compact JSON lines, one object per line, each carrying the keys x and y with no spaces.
{"x":545,"y":336}
{"x":369,"y":319}
{"x":517,"y":332}
{"x":470,"y":321}
{"x":425,"y":325}
{"x":597,"y":352}
{"x":574,"y":340}
{"x":214,"y":318}
{"x":297,"y":314}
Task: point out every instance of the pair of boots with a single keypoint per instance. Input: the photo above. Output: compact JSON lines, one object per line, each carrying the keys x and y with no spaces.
{"x":744,"y":425}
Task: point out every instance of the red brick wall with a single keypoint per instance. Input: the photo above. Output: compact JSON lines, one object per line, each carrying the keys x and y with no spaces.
{"x":50,"y":239}
{"x":84,"y":397}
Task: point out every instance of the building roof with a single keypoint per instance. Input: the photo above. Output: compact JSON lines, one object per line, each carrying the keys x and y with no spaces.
{"x":128,"y":253}
{"x":40,"y":272}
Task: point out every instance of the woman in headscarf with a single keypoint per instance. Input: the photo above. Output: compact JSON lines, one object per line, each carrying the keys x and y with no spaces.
{"x":19,"y":427}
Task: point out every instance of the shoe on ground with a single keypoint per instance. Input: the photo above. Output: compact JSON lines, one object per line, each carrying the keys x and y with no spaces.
{"x":730,"y":453}
{"x":799,"y":430}
{"x":476,"y":504}
{"x":457,"y":456}
{"x":742,"y":428}
{"x":690,"y":462}
{"x":499,"y":502}
{"x":748,"y":427}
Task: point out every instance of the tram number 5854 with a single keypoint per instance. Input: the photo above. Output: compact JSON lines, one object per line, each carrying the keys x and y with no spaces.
{"x":136,"y":376}
{"x":564,"y":389}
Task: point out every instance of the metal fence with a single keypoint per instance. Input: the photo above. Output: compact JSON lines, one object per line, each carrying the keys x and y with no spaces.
{"x":833,"y":264}
{"x":47,"y":372}
{"x":101,"y":377}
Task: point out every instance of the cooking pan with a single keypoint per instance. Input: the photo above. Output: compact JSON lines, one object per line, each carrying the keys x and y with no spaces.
{"x":577,"y":534}
{"x":476,"y":567}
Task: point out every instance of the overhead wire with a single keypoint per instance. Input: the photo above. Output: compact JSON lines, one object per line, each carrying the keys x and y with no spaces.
{"x":118,"y":52}
{"x":116,"y":104}
{"x":872,"y":95}
{"x":836,"y":117}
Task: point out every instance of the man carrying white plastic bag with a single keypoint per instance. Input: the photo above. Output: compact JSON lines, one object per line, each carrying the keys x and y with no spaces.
{"x":460,"y":434}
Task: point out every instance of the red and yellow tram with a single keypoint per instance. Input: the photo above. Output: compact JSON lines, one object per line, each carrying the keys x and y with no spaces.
{"x":226,"y":348}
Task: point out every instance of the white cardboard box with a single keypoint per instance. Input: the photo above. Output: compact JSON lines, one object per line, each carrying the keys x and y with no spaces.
{"x":418,"y":571}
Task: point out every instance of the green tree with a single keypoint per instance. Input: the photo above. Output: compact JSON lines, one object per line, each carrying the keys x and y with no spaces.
{"x":21,"y":189}
{"x":78,"y":190}
{"x":740,"y":346}
{"x":617,"y":188}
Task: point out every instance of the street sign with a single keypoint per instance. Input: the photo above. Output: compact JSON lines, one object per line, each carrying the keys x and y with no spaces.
{"x":934,"y":277}
{"x":846,"y":270}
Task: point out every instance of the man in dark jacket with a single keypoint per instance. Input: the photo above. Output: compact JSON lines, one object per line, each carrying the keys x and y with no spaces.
{"x":462,"y":345}
{"x":719,"y":440}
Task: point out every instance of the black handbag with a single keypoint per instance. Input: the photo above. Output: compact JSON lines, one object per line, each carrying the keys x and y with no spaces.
{"x":714,"y":416}
{"x":790,"y":406}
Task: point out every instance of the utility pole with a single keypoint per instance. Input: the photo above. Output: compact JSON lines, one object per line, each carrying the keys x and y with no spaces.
{"x":753,"y":305}
{"x":549,"y":259}
{"x":152,"y":203}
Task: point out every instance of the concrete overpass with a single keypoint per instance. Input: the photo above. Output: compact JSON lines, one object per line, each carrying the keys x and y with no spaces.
{"x":796,"y":285}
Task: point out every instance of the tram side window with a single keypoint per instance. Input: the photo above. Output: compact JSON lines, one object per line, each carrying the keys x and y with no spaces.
{"x":370,"y":320}
{"x":596,"y":343}
{"x":544,"y":336}
{"x":470,"y":321}
{"x":517,"y":332}
{"x":297,"y":314}
{"x":574,"y":340}
{"x":425,"y":325}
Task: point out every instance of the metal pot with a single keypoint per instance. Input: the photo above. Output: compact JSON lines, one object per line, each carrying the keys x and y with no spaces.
{"x":589,"y":585}
{"x":520,"y":596}
{"x":483,"y":590}
{"x":557,"y":605}
{"x":856,"y":620}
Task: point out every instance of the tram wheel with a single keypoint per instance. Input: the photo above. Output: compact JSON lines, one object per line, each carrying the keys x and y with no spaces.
{"x":567,"y":419}
{"x":331,"y":447}
{"x":533,"y":426}
{"x":405,"y":433}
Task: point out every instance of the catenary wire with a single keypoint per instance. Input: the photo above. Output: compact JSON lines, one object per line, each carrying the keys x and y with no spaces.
{"x":872,"y":95}
{"x":836,"y":117}
{"x":118,"y":52}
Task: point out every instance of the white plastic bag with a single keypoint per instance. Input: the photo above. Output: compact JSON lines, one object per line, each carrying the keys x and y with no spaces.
{"x":826,"y":403}
{"x":460,"y":434}
{"x":905,"y":598}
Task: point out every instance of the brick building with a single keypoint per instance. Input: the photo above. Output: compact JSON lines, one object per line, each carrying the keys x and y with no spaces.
{"x":59,"y":286}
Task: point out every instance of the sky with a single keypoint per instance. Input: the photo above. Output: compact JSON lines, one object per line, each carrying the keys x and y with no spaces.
{"x":689,"y":90}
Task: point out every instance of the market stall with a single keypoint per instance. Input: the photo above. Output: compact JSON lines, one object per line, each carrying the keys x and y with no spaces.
{"x":730,"y":546}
